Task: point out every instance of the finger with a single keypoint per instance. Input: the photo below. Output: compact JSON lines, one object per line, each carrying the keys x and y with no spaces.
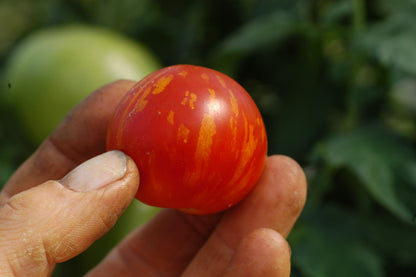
{"x":167,"y":244}
{"x":162,"y":247}
{"x":55,"y":221}
{"x":80,"y":136}
{"x":263,"y":252}
{"x":275,"y":203}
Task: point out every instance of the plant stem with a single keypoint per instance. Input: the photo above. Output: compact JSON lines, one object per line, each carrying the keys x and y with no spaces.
{"x":353,"y":97}
{"x":358,"y":15}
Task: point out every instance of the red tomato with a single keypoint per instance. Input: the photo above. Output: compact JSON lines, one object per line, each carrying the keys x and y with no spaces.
{"x":196,"y":136}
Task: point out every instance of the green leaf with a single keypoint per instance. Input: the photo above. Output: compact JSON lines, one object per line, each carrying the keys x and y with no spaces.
{"x":260,"y":33}
{"x":329,"y":243}
{"x":392,"y":42}
{"x":254,"y":36}
{"x":395,"y":240}
{"x":380,"y":161}
{"x":395,"y":7}
{"x":337,"y":11}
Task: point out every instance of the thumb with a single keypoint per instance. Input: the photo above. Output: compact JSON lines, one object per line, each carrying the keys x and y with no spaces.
{"x":57,"y":220}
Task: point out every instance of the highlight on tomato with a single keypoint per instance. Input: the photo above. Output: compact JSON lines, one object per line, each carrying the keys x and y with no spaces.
{"x":196,"y":136}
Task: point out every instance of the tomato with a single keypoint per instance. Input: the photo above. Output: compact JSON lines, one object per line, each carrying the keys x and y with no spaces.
{"x":196,"y":135}
{"x":53,"y":69}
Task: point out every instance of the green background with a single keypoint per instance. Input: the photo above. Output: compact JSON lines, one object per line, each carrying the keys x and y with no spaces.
{"x":335,"y":82}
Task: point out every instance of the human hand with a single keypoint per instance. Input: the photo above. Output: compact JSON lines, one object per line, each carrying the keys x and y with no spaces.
{"x":47,"y":222}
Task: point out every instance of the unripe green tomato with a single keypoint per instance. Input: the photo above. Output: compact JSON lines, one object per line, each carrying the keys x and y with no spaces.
{"x":54,"y":69}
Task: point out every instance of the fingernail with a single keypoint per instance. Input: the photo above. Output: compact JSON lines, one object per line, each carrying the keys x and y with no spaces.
{"x":97,"y":172}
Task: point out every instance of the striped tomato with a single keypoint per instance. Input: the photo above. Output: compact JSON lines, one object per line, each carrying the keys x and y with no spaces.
{"x":196,"y":136}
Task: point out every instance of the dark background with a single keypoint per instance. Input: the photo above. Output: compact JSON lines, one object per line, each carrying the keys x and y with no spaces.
{"x":335,"y":82}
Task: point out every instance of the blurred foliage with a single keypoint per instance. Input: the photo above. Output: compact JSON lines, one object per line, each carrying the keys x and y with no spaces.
{"x":336,"y":83}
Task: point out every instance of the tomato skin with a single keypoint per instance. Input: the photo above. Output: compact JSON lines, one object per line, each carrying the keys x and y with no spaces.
{"x":196,"y":135}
